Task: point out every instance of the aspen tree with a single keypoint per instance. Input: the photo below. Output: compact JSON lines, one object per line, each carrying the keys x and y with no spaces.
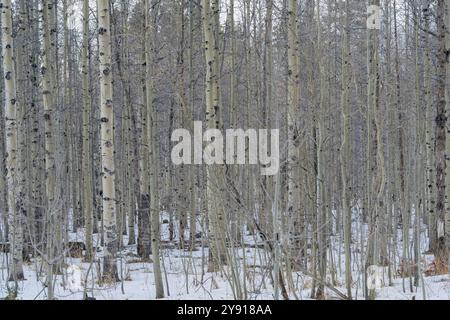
{"x":131,"y":204}
{"x":440,"y":157}
{"x":144,"y":245}
{"x":193,"y":170}
{"x":15,"y":218}
{"x":293,"y":210}
{"x":248,"y":92}
{"x":183,"y":116}
{"x":22,"y":89}
{"x":232,"y":172}
{"x":49,"y":98}
{"x":59,"y":208}
{"x":232,"y":65}
{"x":133,"y":167}
{"x":214,"y":173}
{"x":415,"y":199}
{"x":376,"y":173}
{"x":310,"y":196}
{"x":446,"y":218}
{"x":38,"y":165}
{"x":346,"y":148}
{"x":392,"y":186}
{"x":126,"y":195}
{"x":71,"y":189}
{"x":154,"y":157}
{"x":319,"y":141}
{"x":268,"y":102}
{"x":68,"y":175}
{"x":169,"y":178}
{"x":381,"y":171}
{"x":399,"y":158}
{"x":3,"y":185}
{"x":128,"y":200}
{"x":440,"y":116}
{"x":29,"y":57}
{"x":107,"y":141}
{"x":429,"y":132}
{"x":48,"y":102}
{"x":258,"y":107}
{"x":86,"y":157}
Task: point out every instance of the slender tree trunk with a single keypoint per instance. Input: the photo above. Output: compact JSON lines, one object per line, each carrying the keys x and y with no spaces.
{"x":429,"y":133}
{"x":216,"y":225}
{"x":445,"y":220}
{"x":193,"y":170}
{"x":48,"y":92}
{"x":3,"y":186}
{"x":154,"y":157}
{"x":346,"y":148}
{"x":86,"y":157}
{"x":15,"y":195}
{"x":144,"y":226}
{"x":376,"y":173}
{"x":269,"y":182}
{"x":322,"y":228}
{"x":293,"y":207}
{"x":107,"y":142}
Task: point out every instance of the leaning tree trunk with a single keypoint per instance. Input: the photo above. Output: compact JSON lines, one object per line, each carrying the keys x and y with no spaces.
{"x":107,"y":142}
{"x":11,"y":120}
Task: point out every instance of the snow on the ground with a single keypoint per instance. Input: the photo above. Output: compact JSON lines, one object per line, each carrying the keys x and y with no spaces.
{"x":185,"y":276}
{"x":180,"y":269}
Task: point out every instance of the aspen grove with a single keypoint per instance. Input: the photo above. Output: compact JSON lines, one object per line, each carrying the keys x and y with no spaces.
{"x":109,"y":106}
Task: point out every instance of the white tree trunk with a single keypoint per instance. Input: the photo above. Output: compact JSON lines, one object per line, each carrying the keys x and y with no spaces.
{"x":107,"y":141}
{"x":11,"y":120}
{"x":86,"y":158}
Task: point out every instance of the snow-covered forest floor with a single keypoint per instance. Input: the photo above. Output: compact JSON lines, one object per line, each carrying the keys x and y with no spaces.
{"x":185,"y":276}
{"x":139,"y":285}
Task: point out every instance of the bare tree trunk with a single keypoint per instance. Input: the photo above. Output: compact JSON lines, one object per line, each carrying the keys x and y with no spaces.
{"x":293,"y":207}
{"x":376,"y":173}
{"x":154,"y":157}
{"x":86,"y":157}
{"x":445,"y":252}
{"x":144,"y":226}
{"x":107,"y":142}
{"x":48,"y":92}
{"x":429,"y":134}
{"x":192,"y":170}
{"x":322,"y":228}
{"x":15,"y":195}
{"x":210,"y":12}
{"x":346,"y":149}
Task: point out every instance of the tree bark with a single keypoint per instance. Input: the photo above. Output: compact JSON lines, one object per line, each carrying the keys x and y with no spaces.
{"x":15,"y":195}
{"x":107,"y":142}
